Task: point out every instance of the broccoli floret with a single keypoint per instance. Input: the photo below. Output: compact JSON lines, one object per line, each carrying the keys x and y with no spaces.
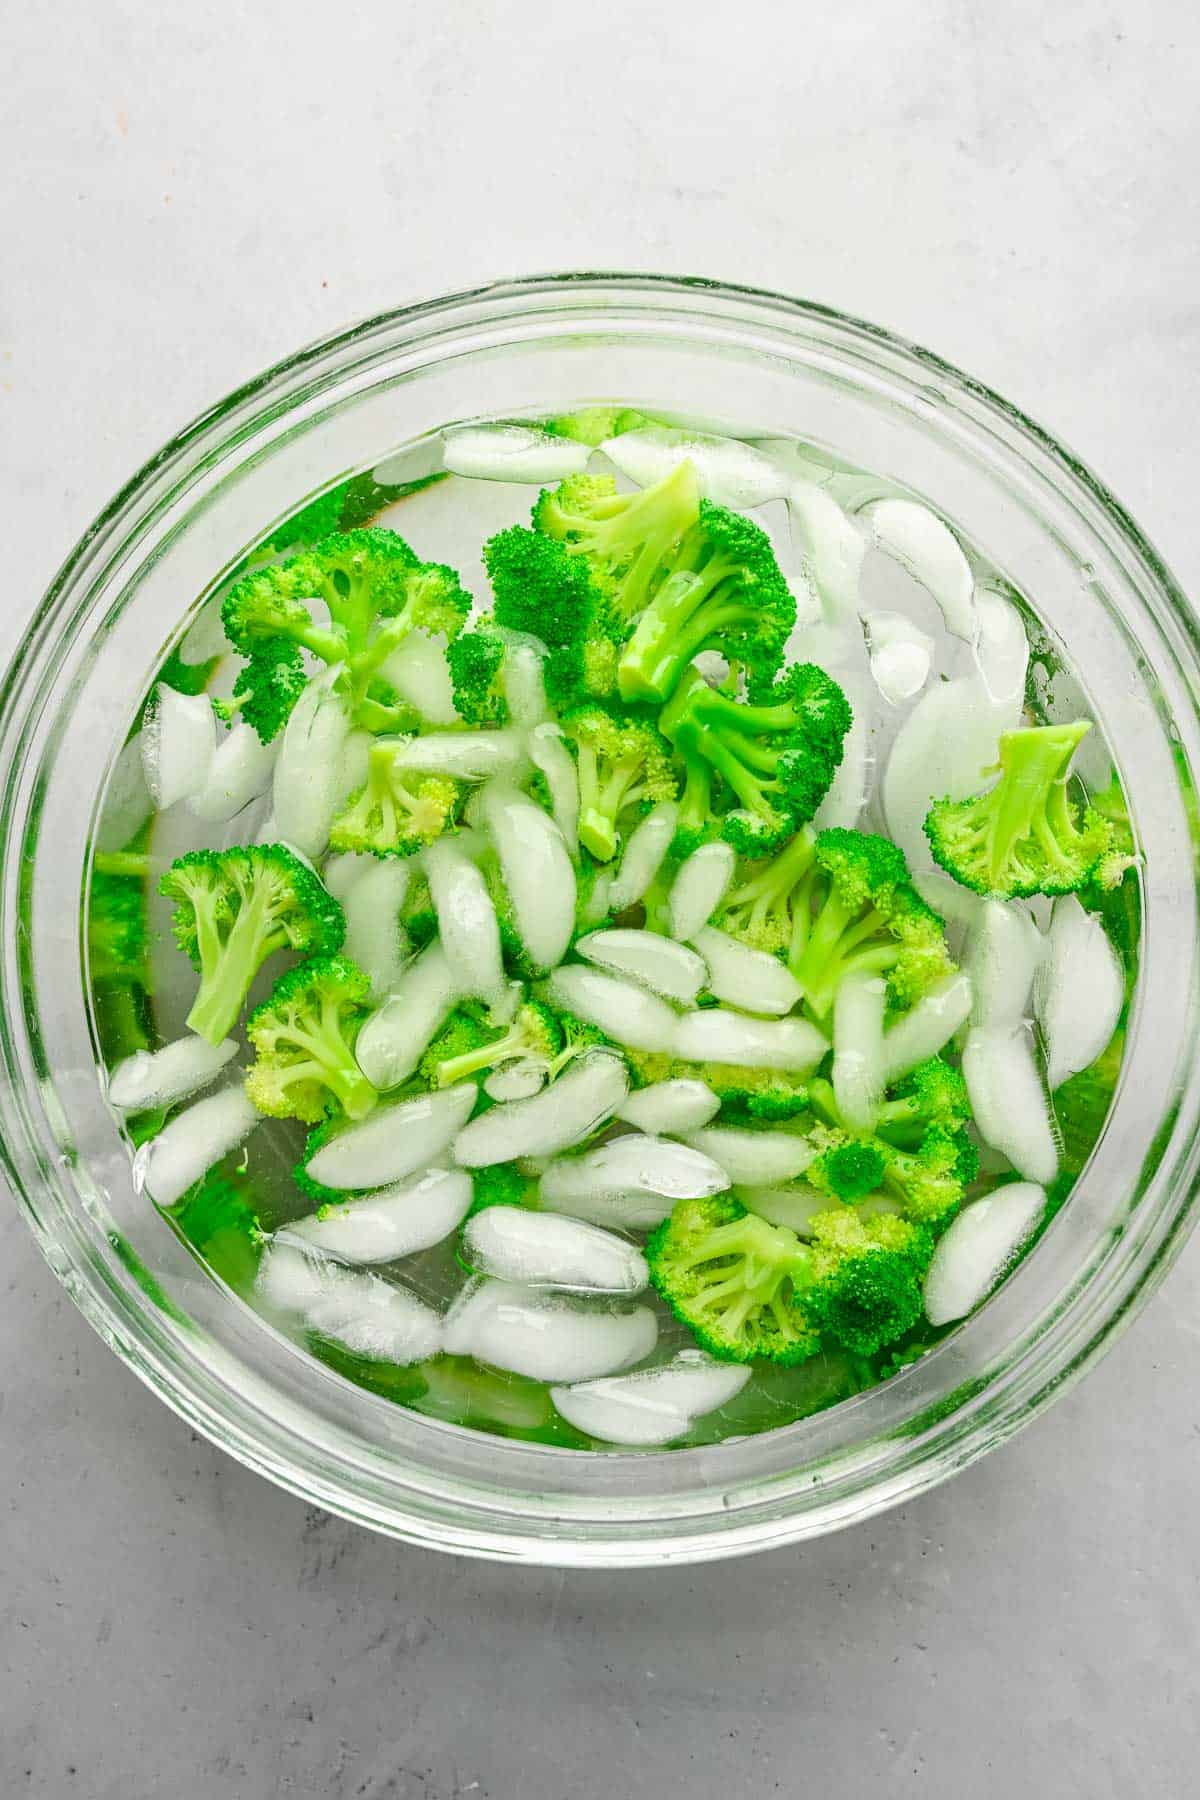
{"x":1025,"y":835}
{"x":543,"y":591}
{"x":376,"y":591}
{"x":931,"y":1094}
{"x":765,"y":1095}
{"x":734,"y":1280}
{"x":625,"y":539}
{"x":722,"y":591}
{"x":762,"y":905}
{"x":623,"y":762}
{"x":397,"y":811}
{"x":923,"y":1161}
{"x":237,"y":907}
{"x":868,"y":917}
{"x":776,"y":758}
{"x":117,"y":953}
{"x":865,"y":1278}
{"x":303,"y":1038}
{"x":476,"y":660}
{"x":593,"y":425}
{"x":465,"y":1047}
{"x":268,"y":685}
{"x":577,"y":1036}
{"x":500,"y":1184}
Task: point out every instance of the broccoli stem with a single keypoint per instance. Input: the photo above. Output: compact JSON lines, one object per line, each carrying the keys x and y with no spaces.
{"x":228,"y":967}
{"x":487,"y":1056}
{"x":837,"y":941}
{"x":331,"y":1061}
{"x":684,"y":615}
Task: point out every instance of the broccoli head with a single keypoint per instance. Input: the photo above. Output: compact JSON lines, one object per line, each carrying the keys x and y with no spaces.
{"x":542,"y":590}
{"x":500,"y":1184}
{"x":861,"y":912}
{"x":734,"y":1280}
{"x":1025,"y":835}
{"x":773,"y":760}
{"x":866,"y":1278}
{"x":920,"y":1158}
{"x":765,"y":1095}
{"x":397,"y":811}
{"x":234,"y":909}
{"x":722,"y":592}
{"x":931,"y":1094}
{"x":623,"y":762}
{"x":375,"y":590}
{"x":761,"y":907}
{"x":303,"y":1038}
{"x":592,"y":425}
{"x":466,"y":1047}
{"x":476,"y":660}
{"x":626,"y":540}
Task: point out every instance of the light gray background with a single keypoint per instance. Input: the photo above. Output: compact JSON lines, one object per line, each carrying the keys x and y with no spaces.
{"x":190,"y":191}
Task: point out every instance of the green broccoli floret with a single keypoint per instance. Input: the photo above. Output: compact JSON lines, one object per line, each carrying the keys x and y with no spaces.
{"x":500,"y":1184}
{"x":1025,"y":835}
{"x":623,"y":762}
{"x":723,"y":592}
{"x":376,"y":591}
{"x":868,"y":917}
{"x":865,"y":1278}
{"x":268,"y":685}
{"x":625,"y":539}
{"x":544,"y":592}
{"x":921,"y":1158}
{"x":476,"y":661}
{"x":397,"y":811}
{"x":735,"y":1281}
{"x":593,"y":425}
{"x":577,"y":1036}
{"x":466,"y":1047}
{"x":931,"y":1094}
{"x":767,"y":896}
{"x":766,"y":1095}
{"x":303,"y":1038}
{"x":697,"y":822}
{"x":237,"y":907}
{"x":776,"y":758}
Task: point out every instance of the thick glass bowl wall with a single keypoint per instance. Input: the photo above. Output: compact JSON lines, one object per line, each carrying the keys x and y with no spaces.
{"x":541,"y":345}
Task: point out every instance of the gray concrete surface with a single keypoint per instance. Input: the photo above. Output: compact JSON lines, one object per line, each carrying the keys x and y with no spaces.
{"x":190,"y":191}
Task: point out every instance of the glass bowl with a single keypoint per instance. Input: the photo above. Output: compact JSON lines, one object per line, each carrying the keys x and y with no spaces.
{"x":542,"y":344}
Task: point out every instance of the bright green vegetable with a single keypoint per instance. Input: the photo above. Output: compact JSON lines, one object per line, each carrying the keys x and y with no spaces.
{"x":476,"y":660}
{"x":235,"y":908}
{"x":766,"y":1095}
{"x":467,"y":1047}
{"x":303,"y":1037}
{"x":1025,"y":835}
{"x":397,"y":811}
{"x":749,"y":1290}
{"x":627,"y":540}
{"x":856,"y":909}
{"x":623,"y":763}
{"x":770,"y":902}
{"x":376,"y":591}
{"x":548,"y":594}
{"x":773,"y":760}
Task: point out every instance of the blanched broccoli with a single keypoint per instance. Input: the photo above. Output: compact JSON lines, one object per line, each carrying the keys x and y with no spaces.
{"x":218,"y":1220}
{"x":866,"y":1276}
{"x":920,"y":1157}
{"x":749,"y":1290}
{"x":466,"y":1046}
{"x":303,"y":1037}
{"x":775,"y":759}
{"x":625,"y":539}
{"x":376,"y":591}
{"x":476,"y":662}
{"x":1025,"y":835}
{"x":1081,"y":1104}
{"x":723,"y":592}
{"x":237,"y":907}
{"x":500,"y":1184}
{"x":931,"y":1094}
{"x":735,"y":1281}
{"x":765,"y":1095}
{"x":268,"y":685}
{"x":762,"y":905}
{"x":397,"y":811}
{"x":592,"y":425}
{"x":868,"y":917}
{"x":623,"y":762}
{"x":546,"y":593}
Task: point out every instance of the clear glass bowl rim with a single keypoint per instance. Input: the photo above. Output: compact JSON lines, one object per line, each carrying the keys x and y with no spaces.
{"x":969,"y":1423}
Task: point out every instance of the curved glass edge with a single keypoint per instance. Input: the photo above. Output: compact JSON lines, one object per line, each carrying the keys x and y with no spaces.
{"x":1166,"y":1250}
